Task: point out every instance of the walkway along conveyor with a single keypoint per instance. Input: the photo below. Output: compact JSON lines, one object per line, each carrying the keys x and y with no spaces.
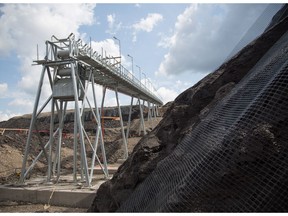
{"x":71,"y":66}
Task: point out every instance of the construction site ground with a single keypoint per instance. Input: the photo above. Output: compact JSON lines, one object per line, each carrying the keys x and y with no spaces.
{"x":12,"y":145}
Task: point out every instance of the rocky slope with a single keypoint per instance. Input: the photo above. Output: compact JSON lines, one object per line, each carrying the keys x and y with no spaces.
{"x":184,"y":115}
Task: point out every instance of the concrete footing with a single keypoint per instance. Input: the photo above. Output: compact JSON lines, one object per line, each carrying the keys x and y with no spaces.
{"x":63,"y":193}
{"x":79,"y":199}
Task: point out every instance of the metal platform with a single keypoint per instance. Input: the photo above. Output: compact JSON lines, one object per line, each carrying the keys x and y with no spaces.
{"x":110,"y":75}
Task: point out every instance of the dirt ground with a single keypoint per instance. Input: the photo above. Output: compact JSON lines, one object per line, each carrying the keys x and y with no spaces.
{"x":12,"y":146}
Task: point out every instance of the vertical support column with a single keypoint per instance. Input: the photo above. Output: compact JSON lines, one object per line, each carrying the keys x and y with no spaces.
{"x":140,"y":122}
{"x":122,"y":127}
{"x":102,"y":109}
{"x":51,"y":140}
{"x":142,"y":117}
{"x":60,"y":112}
{"x":75,"y":147}
{"x":149,"y":112}
{"x":99,"y":132}
{"x":129,"y":119}
{"x":154,"y":111}
{"x":157,"y":111}
{"x":60,"y":133}
{"x":33,"y":119}
{"x":80,"y":128}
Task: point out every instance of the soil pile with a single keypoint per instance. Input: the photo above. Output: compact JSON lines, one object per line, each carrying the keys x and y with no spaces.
{"x":12,"y":143}
{"x":220,"y":179}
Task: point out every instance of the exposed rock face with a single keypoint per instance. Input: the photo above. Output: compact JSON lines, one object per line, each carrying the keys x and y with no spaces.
{"x":188,"y":110}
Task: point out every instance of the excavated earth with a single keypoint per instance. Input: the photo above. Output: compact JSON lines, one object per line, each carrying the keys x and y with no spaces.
{"x":12,"y":147}
{"x":183,"y":115}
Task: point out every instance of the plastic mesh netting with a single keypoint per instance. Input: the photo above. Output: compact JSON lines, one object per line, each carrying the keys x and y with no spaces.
{"x":236,"y":159}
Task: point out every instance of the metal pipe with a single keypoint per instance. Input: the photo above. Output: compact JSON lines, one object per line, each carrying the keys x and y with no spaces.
{"x":154,"y":111}
{"x":99,"y":132}
{"x":33,"y":119}
{"x":142,"y":118}
{"x":119,"y":50}
{"x":149,"y":112}
{"x":122,"y":127}
{"x":102,"y":109}
{"x":157,"y":111}
{"x":60,"y":138}
{"x":129,"y":120}
{"x":38,"y":156}
{"x":44,"y":105}
{"x":75,"y":147}
{"x":132,"y":65}
{"x":83,"y":150}
{"x":57,"y":146}
{"x":51,"y":140}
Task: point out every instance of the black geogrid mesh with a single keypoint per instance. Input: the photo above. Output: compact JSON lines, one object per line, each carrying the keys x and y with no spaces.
{"x":236,"y":159}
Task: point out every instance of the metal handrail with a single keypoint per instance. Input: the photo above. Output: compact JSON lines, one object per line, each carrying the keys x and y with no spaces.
{"x":115,"y":71}
{"x":77,"y":48}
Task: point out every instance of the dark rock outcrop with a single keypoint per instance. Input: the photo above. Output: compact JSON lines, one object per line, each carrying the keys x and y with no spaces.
{"x":184,"y":114}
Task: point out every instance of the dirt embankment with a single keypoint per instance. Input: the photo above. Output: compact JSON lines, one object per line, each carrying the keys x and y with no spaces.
{"x":12,"y":147}
{"x":12,"y":143}
{"x":184,"y":114}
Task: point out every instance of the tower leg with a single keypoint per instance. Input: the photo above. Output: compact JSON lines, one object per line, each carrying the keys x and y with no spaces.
{"x":98,"y":135}
{"x":33,"y":119}
{"x":142,"y":118}
{"x":80,"y":127}
{"x":122,"y":127}
{"x":129,"y":119}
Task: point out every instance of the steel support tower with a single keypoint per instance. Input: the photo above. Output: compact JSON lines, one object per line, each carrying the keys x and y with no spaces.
{"x":71,"y":66}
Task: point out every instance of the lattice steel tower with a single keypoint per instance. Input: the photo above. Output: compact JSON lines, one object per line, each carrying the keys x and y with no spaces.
{"x":71,"y":67}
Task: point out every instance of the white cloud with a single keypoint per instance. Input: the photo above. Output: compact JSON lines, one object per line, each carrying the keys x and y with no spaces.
{"x":204,"y":34}
{"x":5,"y":115}
{"x":110,"y":48}
{"x":146,"y":24}
{"x":107,"y":46}
{"x":21,"y":102}
{"x":113,"y":26}
{"x":111,"y":19}
{"x":167,"y":94}
{"x":23,"y":26}
{"x":3,"y":89}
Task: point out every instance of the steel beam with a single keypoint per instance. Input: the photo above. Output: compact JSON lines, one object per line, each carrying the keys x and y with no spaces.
{"x":129,"y":119}
{"x":60,"y":54}
{"x":98,"y":135}
{"x":122,"y":127}
{"x":80,"y":128}
{"x":33,"y":119}
{"x":142,"y":118}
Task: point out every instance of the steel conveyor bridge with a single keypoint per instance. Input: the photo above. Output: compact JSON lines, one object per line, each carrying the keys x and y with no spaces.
{"x":71,"y":67}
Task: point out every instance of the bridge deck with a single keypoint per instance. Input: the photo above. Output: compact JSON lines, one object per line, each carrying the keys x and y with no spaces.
{"x":114,"y":76}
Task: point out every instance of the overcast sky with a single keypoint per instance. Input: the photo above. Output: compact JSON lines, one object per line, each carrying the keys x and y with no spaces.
{"x":175,"y":45}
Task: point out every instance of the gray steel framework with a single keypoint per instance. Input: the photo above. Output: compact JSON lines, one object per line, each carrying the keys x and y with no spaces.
{"x":71,"y":67}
